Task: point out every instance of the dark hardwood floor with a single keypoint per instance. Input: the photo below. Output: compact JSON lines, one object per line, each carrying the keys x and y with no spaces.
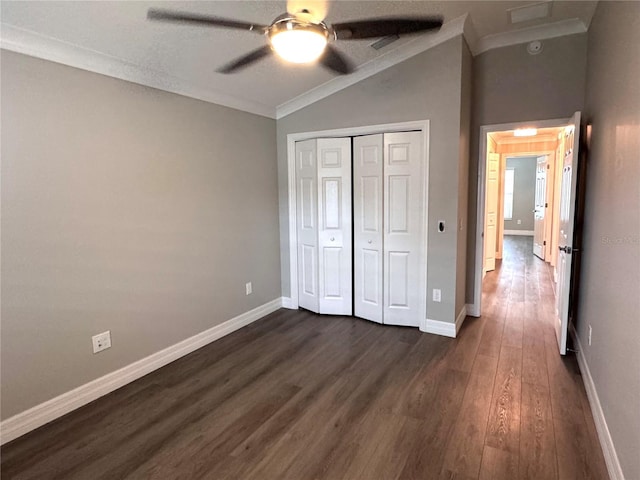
{"x":301,"y":396}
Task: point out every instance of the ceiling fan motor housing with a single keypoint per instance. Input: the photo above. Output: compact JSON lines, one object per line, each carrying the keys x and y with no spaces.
{"x":287,"y":23}
{"x":296,"y":39}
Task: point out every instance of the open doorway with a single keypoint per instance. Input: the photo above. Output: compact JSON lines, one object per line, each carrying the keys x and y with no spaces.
{"x":521,"y":191}
{"x":526,"y":209}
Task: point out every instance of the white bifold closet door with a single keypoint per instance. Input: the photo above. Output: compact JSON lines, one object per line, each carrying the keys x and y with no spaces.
{"x":323,"y":173}
{"x":388,"y":228}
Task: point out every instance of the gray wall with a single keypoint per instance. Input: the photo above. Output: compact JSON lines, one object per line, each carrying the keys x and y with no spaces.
{"x":427,"y":86}
{"x":610,"y":280}
{"x":128,"y":209}
{"x":510,"y":85}
{"x":524,"y":192}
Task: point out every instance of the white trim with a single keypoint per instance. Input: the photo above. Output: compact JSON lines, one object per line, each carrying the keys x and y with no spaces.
{"x":39,"y":415}
{"x":41,"y":46}
{"x":438,"y":327}
{"x":459,"y":26}
{"x":35,"y":44}
{"x":292,"y":138}
{"x":482,"y":164}
{"x":473,"y":310}
{"x":405,"y":51}
{"x":461,"y":318}
{"x":287,"y":302}
{"x":520,"y":233}
{"x":446,"y":329}
{"x":524,"y":35}
{"x":604,"y":435}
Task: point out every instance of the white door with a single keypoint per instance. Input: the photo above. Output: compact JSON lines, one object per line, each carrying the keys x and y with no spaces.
{"x":367,"y":226}
{"x":334,"y":226}
{"x":403,"y":222}
{"x":307,"y":222}
{"x":565,"y":240}
{"x":491,"y":211}
{"x":539,"y":212}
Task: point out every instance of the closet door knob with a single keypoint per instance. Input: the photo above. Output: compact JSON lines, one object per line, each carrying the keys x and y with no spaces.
{"x":332,"y":239}
{"x":370,"y":241}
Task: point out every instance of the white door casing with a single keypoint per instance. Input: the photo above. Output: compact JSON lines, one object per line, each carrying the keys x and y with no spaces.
{"x":475,"y":308}
{"x":539,"y":212}
{"x":307,"y":224}
{"x":334,"y":226}
{"x":491,"y":211}
{"x":367,"y":226}
{"x":403,"y":228}
{"x":565,"y":241}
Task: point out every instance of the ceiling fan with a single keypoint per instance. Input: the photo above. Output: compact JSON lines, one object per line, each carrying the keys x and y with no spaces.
{"x":301,"y":38}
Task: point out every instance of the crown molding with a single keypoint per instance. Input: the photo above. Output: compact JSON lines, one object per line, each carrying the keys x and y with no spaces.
{"x":525,"y":35}
{"x":36,"y":45}
{"x":462,"y":25}
{"x":420,"y":44}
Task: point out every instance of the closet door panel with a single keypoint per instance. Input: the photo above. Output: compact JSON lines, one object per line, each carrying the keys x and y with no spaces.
{"x":367,"y":226}
{"x":307,"y":224}
{"x":334,"y":229}
{"x":403,"y":227}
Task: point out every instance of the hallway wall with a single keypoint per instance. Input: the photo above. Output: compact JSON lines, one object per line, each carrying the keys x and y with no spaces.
{"x":609,"y":300}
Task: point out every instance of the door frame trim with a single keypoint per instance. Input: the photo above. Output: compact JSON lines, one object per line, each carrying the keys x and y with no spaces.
{"x":418,"y":125}
{"x":475,"y":308}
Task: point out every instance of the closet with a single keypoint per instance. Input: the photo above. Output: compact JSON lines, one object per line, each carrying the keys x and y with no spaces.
{"x":370,"y":264}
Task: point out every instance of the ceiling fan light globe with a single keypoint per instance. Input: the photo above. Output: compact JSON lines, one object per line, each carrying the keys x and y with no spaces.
{"x":299,"y":43}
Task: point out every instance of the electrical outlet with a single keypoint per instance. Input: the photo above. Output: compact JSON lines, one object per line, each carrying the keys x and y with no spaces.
{"x":519,"y":222}
{"x":437,"y":295}
{"x":102,"y":341}
{"x":248,"y":288}
{"x":589,"y":335}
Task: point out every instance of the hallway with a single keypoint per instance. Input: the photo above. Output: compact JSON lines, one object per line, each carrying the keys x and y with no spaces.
{"x":556,"y":429}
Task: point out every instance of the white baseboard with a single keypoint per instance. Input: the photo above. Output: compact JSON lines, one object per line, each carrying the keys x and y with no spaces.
{"x":438,"y":327}
{"x":473,"y":310}
{"x":460,"y":318}
{"x":287,"y":302}
{"x":446,"y":329}
{"x":523,"y":233}
{"x":39,"y":415}
{"x":606,"y":442}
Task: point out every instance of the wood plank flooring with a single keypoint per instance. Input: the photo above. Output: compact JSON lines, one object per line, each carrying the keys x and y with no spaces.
{"x":301,"y":396}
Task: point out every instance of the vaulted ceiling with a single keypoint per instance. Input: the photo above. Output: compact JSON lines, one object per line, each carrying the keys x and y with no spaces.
{"x":114,"y":38}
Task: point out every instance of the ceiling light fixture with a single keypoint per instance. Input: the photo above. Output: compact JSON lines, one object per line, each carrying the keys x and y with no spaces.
{"x":525,"y":132}
{"x":297,"y":41}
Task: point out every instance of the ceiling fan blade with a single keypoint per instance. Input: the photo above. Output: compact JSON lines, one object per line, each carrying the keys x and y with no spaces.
{"x":245,"y":60}
{"x":335,"y":61}
{"x":159,"y":14}
{"x":382,"y":27}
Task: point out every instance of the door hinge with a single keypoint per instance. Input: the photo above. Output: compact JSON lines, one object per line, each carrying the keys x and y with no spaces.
{"x":546,"y":205}
{"x":544,"y":242}
{"x":548,"y":166}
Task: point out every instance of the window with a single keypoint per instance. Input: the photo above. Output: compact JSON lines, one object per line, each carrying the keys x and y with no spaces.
{"x":509,"y":175}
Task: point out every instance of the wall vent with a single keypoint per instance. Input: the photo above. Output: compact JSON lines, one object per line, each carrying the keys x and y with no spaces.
{"x":529,"y":12}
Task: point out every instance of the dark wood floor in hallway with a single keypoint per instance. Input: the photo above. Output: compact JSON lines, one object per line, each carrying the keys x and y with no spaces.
{"x":301,"y":396}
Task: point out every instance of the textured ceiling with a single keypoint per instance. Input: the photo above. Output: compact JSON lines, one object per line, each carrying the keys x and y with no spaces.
{"x":189,"y":53}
